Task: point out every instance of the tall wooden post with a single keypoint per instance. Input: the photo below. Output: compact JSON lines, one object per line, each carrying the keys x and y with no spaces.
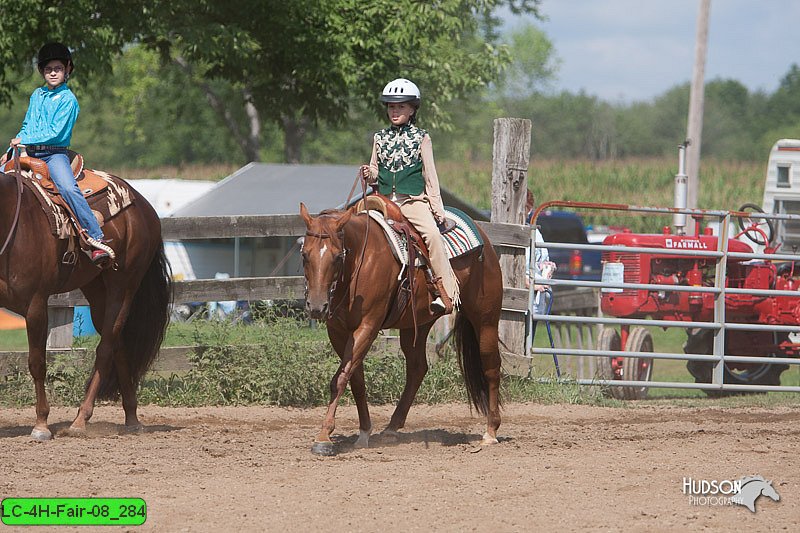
{"x":510,"y":160}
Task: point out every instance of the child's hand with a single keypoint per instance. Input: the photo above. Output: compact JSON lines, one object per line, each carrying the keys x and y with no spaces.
{"x":364,"y":172}
{"x":16,"y":141}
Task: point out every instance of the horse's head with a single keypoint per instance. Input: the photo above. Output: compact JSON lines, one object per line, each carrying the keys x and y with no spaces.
{"x":324,"y":255}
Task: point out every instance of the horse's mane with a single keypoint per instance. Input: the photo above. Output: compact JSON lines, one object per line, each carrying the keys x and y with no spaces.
{"x":331,"y":212}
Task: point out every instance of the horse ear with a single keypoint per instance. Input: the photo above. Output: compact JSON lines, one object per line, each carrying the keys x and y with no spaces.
{"x":343,"y":220}
{"x":305,"y":215}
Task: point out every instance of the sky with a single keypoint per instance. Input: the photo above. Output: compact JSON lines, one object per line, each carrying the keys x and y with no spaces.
{"x":635,"y":50}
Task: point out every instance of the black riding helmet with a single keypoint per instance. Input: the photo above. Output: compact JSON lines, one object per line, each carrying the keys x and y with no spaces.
{"x":51,"y":51}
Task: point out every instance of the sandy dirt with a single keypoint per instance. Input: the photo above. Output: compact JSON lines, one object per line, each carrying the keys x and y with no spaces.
{"x":558,"y":467}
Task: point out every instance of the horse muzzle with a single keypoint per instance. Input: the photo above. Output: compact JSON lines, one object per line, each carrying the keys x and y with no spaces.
{"x":317,"y":311}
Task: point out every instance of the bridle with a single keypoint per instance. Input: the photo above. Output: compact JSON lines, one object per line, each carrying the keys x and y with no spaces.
{"x":339,"y":269}
{"x":341,"y":256}
{"x":18,"y":178}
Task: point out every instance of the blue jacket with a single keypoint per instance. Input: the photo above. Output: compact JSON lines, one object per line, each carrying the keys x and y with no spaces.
{"x":51,"y":116}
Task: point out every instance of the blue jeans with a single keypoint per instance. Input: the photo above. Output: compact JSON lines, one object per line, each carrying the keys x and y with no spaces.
{"x":61,"y":174}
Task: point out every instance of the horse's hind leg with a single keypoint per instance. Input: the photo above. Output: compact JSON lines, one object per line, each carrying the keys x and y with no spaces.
{"x":110,"y":355}
{"x":36,"y":323}
{"x":119,"y":354}
{"x":416,"y":368}
{"x":490,"y":361}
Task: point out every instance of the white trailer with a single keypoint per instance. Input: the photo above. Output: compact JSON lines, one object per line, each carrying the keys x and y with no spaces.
{"x":782,"y":190}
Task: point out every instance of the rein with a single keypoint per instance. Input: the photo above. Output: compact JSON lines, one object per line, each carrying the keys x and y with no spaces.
{"x":18,"y":179}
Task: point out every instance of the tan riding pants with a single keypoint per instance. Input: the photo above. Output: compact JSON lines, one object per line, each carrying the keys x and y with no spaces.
{"x":419,"y":214}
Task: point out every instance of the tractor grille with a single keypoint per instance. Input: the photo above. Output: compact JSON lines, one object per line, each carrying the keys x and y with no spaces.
{"x":633,"y":268}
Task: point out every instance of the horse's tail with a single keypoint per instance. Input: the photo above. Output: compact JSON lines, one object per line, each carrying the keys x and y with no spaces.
{"x":145,"y":326}
{"x":469,"y":359}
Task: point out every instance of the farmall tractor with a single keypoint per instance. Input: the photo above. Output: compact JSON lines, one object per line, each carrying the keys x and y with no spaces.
{"x":665,"y":269}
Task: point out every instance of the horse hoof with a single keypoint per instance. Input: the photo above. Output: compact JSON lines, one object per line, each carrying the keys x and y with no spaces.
{"x":390,"y":433}
{"x":488,"y":440}
{"x":73,"y":431}
{"x":323,"y":448}
{"x":362,"y":441}
{"x":41,"y":435}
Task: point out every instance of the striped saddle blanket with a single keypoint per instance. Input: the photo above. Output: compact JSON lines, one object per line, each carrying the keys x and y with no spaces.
{"x":463,"y":238}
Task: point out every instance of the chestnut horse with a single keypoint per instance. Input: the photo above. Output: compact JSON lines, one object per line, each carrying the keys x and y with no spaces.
{"x":351,"y":281}
{"x":129,"y":301}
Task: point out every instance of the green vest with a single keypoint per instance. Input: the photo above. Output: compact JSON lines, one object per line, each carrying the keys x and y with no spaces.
{"x":399,"y":157}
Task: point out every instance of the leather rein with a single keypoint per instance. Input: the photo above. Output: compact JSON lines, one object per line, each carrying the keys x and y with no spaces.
{"x":18,"y":179}
{"x":342,"y":256}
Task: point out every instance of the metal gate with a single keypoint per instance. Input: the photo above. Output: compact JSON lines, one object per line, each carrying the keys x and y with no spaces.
{"x":717,"y":326}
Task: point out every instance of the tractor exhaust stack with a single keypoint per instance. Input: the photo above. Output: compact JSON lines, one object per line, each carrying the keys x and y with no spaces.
{"x":681,"y":188}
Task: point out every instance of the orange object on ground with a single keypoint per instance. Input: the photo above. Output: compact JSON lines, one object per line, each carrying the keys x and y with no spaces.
{"x":9,"y":320}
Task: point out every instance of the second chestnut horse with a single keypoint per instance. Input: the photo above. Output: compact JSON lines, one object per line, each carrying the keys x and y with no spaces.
{"x":352,"y":279}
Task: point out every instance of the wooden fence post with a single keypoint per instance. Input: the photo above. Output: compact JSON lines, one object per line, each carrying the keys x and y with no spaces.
{"x":510,"y":160}
{"x":59,"y":320}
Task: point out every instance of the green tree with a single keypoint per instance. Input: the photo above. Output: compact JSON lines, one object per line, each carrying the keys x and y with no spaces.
{"x":294,"y":63}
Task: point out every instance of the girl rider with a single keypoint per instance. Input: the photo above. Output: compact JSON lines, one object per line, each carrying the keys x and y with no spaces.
{"x":46,"y":133}
{"x":402,"y":165}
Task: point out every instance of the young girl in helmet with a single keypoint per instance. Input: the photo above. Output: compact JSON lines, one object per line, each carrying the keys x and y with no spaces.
{"x":46,"y":132}
{"x":402,"y":165}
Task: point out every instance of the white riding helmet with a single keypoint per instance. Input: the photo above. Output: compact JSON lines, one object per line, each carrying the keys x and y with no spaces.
{"x":401,"y":90}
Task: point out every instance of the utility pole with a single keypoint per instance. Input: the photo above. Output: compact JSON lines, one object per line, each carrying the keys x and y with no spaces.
{"x":694,"y":128}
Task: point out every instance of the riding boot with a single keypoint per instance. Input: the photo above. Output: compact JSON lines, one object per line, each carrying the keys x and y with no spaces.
{"x":442,"y":303}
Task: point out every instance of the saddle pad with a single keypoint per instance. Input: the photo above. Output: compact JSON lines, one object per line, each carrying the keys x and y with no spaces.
{"x":464,"y":237}
{"x":105,"y":203}
{"x":460,"y":240}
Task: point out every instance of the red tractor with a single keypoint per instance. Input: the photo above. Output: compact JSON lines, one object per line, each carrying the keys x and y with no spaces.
{"x":697,"y":270}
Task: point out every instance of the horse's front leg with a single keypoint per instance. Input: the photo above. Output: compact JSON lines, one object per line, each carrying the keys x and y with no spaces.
{"x":36,"y":324}
{"x":354,"y":349}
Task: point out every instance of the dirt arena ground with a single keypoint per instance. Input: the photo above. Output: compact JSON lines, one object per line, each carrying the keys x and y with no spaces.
{"x":557,"y":468}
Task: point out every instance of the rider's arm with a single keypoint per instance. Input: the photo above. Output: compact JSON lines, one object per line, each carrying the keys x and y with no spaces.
{"x":373,"y":164}
{"x":431,"y":179}
{"x":24,"y":129}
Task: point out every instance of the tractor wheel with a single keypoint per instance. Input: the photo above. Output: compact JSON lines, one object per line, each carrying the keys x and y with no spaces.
{"x":609,"y":367}
{"x":702,"y":342}
{"x":626,"y":368}
{"x":638,"y":368}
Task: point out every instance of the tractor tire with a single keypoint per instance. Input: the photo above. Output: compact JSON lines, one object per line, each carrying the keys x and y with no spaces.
{"x":609,"y":340}
{"x":700,"y":341}
{"x":628,"y":368}
{"x":638,"y":368}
